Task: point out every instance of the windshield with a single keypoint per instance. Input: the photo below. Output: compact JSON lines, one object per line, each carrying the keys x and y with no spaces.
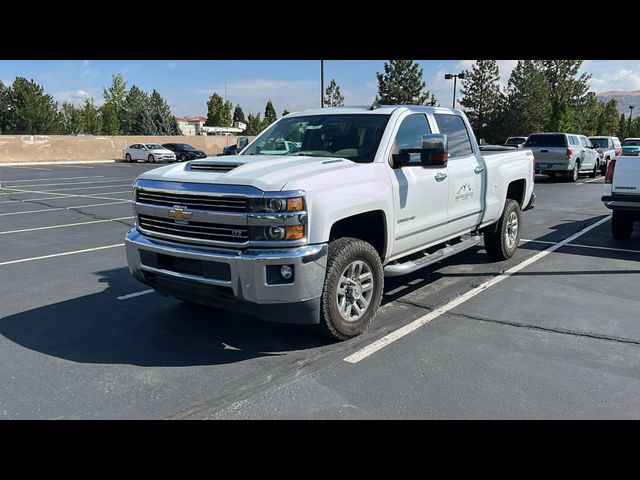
{"x":515,"y":140}
{"x":184,"y":146}
{"x":550,"y":140}
{"x":631,"y":143}
{"x":599,"y":142}
{"x":354,"y":137}
{"x":153,"y":146}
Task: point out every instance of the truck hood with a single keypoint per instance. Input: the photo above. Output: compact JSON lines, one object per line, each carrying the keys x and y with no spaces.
{"x":266,"y":172}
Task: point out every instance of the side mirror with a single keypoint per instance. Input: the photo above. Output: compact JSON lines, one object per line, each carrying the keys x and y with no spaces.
{"x":143,"y":148}
{"x":242,"y":142}
{"x":434,"y":153}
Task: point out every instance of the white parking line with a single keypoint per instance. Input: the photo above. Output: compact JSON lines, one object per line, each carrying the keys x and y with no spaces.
{"x":64,"y":208}
{"x":30,"y":168}
{"x":22,"y":260}
{"x":119,"y":184}
{"x":59,"y":195}
{"x":65,"y":225}
{"x":136,"y":294}
{"x":579,"y":245}
{"x":401,"y":332}
{"x":68,"y":183}
{"x":592,"y":180}
{"x":43,"y":179}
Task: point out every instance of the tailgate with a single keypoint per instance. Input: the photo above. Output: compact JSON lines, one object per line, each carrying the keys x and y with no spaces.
{"x":549,"y":155}
{"x":626,"y":177}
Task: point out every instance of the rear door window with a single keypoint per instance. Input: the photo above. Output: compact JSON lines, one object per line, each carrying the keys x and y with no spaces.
{"x":457,"y":135}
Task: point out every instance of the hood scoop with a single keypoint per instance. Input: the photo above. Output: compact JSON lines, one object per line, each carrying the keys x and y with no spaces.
{"x":208,"y":166}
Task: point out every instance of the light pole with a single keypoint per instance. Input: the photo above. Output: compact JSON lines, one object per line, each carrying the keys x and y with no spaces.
{"x":455,"y":76}
{"x":630,"y":115}
{"x":321,"y":83}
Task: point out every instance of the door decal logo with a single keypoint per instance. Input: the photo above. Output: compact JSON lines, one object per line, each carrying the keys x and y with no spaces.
{"x":464,"y":192}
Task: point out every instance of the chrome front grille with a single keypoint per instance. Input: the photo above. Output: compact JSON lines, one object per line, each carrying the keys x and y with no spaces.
{"x":192,"y":201}
{"x":211,"y":232}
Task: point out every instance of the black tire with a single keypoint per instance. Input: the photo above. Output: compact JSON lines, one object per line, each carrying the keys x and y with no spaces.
{"x":594,"y":172}
{"x":127,"y":157}
{"x":343,"y":252}
{"x":552,"y":175}
{"x":151,"y":159}
{"x":621,"y":225}
{"x":499,"y":238}
{"x":183,"y":158}
{"x":603,"y":168}
{"x":573,"y":175}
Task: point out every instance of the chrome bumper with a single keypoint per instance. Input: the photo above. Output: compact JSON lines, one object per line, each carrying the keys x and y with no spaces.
{"x":235,"y":279}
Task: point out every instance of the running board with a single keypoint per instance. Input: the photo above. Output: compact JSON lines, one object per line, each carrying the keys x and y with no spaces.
{"x":398,"y":269}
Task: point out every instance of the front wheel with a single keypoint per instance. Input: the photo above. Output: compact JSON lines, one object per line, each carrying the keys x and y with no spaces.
{"x":603,"y":168}
{"x":501,"y":239}
{"x":183,"y":158}
{"x":127,"y":157}
{"x":352,"y":288}
{"x":151,"y":159}
{"x":594,"y":172}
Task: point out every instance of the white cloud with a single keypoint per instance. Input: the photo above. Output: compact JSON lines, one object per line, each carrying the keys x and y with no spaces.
{"x":76,"y":97}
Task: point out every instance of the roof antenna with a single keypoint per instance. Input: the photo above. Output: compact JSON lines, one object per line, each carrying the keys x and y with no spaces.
{"x":374,"y":105}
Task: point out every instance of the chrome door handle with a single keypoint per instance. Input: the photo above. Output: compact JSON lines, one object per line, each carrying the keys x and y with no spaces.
{"x":478,"y":169}
{"x":440,"y":176}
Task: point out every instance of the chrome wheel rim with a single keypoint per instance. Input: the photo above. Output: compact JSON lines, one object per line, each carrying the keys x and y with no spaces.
{"x":355,"y":289}
{"x":511,"y":233}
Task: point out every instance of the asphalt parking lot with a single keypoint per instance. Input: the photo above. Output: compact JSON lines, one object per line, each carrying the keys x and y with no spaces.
{"x":556,"y":337}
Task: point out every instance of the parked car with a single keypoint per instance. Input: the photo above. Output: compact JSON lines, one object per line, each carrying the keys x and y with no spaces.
{"x":622,"y":193}
{"x":149,"y":152}
{"x":306,"y":235}
{"x":607,"y":148}
{"x":184,"y":151}
{"x":631,"y":146}
{"x":517,"y":142}
{"x":563,"y":153}
{"x":236,"y":147}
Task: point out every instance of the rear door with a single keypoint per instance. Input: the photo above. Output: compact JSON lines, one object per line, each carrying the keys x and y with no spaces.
{"x":466,"y":175}
{"x":549,"y":149}
{"x":588,"y":154}
{"x":626,"y":177}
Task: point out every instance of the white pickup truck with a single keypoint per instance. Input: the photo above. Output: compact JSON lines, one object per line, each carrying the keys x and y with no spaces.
{"x":303,"y":225}
{"x":622,"y":194}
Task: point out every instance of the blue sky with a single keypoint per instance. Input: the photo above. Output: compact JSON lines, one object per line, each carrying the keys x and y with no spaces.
{"x":291,"y":84}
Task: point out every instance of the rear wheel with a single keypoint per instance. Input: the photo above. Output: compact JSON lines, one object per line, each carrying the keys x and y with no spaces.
{"x":183,"y":158}
{"x":501,"y":239}
{"x":352,"y":288}
{"x":573,"y":175}
{"x":552,"y":175}
{"x":621,"y":225}
{"x":127,"y":157}
{"x":151,"y":159}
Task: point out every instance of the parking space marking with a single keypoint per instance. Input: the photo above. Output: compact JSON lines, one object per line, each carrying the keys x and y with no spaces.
{"x":43,"y":179}
{"x":22,"y":260}
{"x":579,"y":245}
{"x":64,"y":208}
{"x":120,"y":184}
{"x":68,"y":183}
{"x":401,"y":332}
{"x":136,"y":294}
{"x":59,"y":195}
{"x":30,"y":168}
{"x":65,"y":225}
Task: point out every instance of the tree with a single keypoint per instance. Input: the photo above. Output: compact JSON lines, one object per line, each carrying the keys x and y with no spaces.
{"x":238,"y":115}
{"x":254,"y":124}
{"x":4,"y":108}
{"x":333,"y":98}
{"x":402,"y":84}
{"x":270,"y":114}
{"x":622,"y":127}
{"x":109,"y":119}
{"x":285,"y":112}
{"x":138,"y":118}
{"x":31,"y":110}
{"x":566,"y":91}
{"x":218,"y":112}
{"x":526,"y":108}
{"x":163,"y":120}
{"x":481,"y":94}
{"x":90,"y":119}
{"x":608,"y":119}
{"x":114,"y":100}
{"x":72,"y":119}
{"x":587,"y":115}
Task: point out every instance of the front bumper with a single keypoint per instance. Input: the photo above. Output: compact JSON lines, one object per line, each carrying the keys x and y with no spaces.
{"x":237,"y":280}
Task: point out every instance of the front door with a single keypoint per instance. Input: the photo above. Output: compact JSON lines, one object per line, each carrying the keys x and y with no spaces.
{"x":420,"y":194}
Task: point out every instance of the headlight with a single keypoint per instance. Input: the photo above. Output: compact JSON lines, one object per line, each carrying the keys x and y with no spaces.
{"x":274,"y":205}
{"x":277,"y":233}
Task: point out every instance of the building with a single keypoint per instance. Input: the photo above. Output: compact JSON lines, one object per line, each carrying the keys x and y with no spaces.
{"x":191,"y":125}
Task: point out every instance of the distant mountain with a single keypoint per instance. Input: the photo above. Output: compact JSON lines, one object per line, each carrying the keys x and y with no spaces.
{"x":624,"y":100}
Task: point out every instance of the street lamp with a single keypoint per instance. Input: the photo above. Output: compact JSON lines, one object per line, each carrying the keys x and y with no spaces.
{"x":630,"y":115}
{"x":455,"y":76}
{"x":321,"y":83}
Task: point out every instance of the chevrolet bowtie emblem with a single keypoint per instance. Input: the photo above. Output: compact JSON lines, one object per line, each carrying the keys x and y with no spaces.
{"x":180,"y":213}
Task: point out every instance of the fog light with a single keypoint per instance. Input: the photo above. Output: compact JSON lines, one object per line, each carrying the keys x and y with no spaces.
{"x":275,"y":233}
{"x":286,"y":272}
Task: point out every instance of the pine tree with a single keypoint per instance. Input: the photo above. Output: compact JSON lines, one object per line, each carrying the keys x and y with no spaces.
{"x":114,"y":100}
{"x":161,"y":114}
{"x":238,"y":115}
{"x":587,"y":115}
{"x":608,"y":119}
{"x":109,"y":119}
{"x":270,"y":115}
{"x":90,"y":118}
{"x":333,"y":97}
{"x":31,"y":110}
{"x":138,"y":119}
{"x":481,"y":95}
{"x":285,"y":112}
{"x":526,"y":108}
{"x":218,"y":112}
{"x":622,"y":127}
{"x":566,"y":91}
{"x":72,"y":119}
{"x":4,"y":108}
{"x":402,"y":84}
{"x":254,"y":124}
